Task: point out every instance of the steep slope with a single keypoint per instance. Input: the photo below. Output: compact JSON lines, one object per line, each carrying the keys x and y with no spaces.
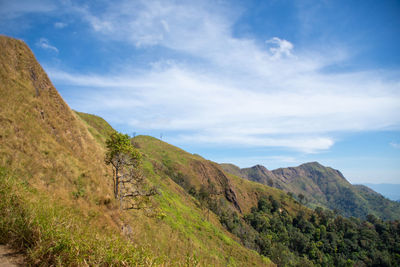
{"x":54,"y":182}
{"x":40,"y":135}
{"x":55,"y":189}
{"x":225,"y":199}
{"x":269,"y":220}
{"x":317,"y":185}
{"x":97,"y":126}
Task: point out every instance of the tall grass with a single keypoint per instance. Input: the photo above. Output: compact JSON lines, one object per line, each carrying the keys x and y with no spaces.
{"x":51,"y":234}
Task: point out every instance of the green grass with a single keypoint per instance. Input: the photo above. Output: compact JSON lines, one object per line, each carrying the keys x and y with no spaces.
{"x":56,"y":198}
{"x":97,"y":126}
{"x":53,"y":234}
{"x":205,"y":240}
{"x":179,"y":225}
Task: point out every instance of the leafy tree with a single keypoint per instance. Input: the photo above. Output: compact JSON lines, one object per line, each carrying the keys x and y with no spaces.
{"x":128,"y":180}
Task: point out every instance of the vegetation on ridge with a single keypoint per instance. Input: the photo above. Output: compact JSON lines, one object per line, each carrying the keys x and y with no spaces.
{"x":276,"y":225}
{"x":319,"y":186}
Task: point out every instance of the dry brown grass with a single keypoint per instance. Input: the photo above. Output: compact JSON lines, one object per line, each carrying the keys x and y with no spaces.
{"x":59,"y":158}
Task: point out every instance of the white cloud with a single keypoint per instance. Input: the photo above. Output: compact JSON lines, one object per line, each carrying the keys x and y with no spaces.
{"x":44,"y":43}
{"x":282,"y":47}
{"x":60,"y":25}
{"x":229,"y":90}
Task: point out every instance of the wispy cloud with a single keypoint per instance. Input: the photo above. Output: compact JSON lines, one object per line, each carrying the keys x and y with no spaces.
{"x":226,"y":90}
{"x":60,"y":25}
{"x":281,"y":47}
{"x":12,"y":9}
{"x":395,"y":145}
{"x":44,"y":43}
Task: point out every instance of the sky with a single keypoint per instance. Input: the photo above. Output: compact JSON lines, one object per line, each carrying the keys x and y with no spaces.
{"x":276,"y":83}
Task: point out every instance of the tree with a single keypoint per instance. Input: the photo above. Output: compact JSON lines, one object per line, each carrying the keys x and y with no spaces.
{"x":128,"y":181}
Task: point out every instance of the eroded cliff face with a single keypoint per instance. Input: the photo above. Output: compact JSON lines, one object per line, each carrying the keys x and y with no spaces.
{"x":211,"y":173}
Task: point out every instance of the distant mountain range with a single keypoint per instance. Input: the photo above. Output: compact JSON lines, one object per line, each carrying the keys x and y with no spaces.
{"x":315,"y":185}
{"x":391,"y":191}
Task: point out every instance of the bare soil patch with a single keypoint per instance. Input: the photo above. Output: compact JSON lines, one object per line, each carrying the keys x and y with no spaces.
{"x":10,"y":257}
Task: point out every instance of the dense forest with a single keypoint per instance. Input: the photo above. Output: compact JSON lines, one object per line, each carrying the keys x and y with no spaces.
{"x":317,"y":237}
{"x":324,"y":238}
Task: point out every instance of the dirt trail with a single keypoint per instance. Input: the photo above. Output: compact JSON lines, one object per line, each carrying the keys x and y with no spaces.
{"x":10,"y":258}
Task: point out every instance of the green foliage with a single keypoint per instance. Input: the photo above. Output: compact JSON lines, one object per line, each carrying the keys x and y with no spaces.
{"x":118,"y":146}
{"x":313,"y":184}
{"x":323,"y":238}
{"x":125,"y":160}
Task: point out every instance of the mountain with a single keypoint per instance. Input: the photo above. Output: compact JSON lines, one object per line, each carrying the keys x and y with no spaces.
{"x":57,"y":205}
{"x":267,"y":219}
{"x":391,"y":191}
{"x":316,"y":185}
{"x":56,"y":199}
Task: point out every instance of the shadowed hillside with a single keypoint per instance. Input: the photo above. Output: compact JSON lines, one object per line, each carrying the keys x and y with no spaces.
{"x":316,"y":185}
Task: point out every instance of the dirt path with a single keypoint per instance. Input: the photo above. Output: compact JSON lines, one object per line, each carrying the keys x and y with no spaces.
{"x":10,"y":258}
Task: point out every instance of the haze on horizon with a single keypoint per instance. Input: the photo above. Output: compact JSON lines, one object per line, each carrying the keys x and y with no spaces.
{"x":276,"y":83}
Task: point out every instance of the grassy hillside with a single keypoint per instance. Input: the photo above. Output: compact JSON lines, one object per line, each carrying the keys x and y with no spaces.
{"x":271,"y":221}
{"x":56,"y":191}
{"x":97,"y":126}
{"x":56,"y":201}
{"x":316,"y":185}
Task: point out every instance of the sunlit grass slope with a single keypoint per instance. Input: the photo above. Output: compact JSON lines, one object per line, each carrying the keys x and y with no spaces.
{"x":192,"y":171}
{"x":180,"y":229}
{"x":234,"y":197}
{"x":55,"y":189}
{"x":97,"y":126}
{"x":54,"y":184}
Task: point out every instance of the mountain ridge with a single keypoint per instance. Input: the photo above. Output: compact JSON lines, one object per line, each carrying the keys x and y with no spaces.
{"x":318,"y":185}
{"x":389,"y":190}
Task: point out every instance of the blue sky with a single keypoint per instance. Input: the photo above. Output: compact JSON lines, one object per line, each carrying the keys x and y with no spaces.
{"x":276,"y":83}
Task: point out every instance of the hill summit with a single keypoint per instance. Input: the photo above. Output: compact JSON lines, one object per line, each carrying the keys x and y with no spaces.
{"x":316,"y":185}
